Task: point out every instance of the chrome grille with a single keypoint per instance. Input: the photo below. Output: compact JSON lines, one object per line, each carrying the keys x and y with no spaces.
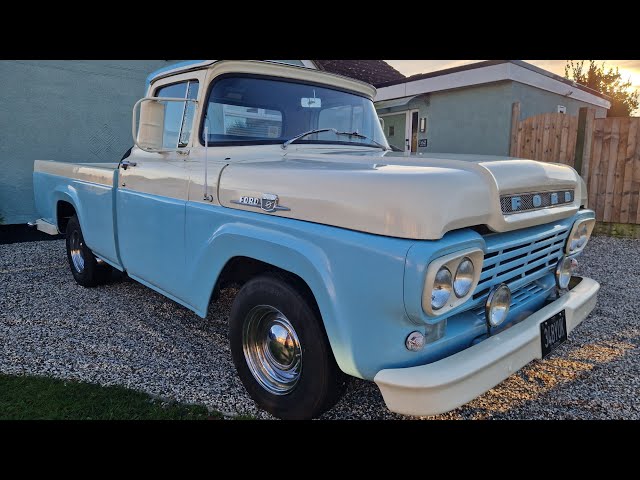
{"x":519,"y":260}
{"x":523,"y":202}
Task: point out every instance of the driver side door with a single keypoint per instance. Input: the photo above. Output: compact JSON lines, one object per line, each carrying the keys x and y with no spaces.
{"x":152,"y":195}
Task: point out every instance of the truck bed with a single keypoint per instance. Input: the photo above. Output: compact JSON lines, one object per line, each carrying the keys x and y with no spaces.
{"x":88,"y":189}
{"x":100,"y":173}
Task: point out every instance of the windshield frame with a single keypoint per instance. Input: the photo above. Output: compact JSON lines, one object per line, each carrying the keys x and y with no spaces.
{"x":266,"y":141}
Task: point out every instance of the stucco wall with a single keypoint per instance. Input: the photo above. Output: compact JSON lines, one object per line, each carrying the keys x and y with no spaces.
{"x":77,"y":111}
{"x":477,"y":119}
{"x":470,"y":120}
{"x":534,"y":101}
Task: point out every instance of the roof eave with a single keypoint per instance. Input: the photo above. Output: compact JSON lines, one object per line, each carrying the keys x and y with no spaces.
{"x":488,"y":72}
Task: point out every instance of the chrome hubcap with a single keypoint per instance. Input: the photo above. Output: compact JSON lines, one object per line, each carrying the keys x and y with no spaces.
{"x":272,"y":349}
{"x":76,"y":245}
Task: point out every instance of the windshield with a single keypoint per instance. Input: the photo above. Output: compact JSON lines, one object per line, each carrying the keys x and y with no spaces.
{"x":250,"y":110}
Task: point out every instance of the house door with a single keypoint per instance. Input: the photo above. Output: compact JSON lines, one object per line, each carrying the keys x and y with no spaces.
{"x":411,"y":141}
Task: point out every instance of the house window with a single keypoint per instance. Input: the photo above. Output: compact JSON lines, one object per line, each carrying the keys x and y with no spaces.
{"x":392,"y":130}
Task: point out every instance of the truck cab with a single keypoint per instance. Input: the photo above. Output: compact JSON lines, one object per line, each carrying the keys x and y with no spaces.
{"x":435,"y":276}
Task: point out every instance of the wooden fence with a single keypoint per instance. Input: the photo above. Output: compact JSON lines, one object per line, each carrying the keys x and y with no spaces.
{"x":605,"y":151}
{"x":614,"y":170}
{"x":550,"y":137}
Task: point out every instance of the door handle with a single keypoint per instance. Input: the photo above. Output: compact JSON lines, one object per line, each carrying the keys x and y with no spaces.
{"x":126,"y":164}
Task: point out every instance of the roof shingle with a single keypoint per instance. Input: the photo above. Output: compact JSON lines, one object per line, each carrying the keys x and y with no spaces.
{"x":370,"y":71}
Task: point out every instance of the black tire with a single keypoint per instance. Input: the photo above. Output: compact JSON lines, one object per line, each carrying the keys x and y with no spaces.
{"x":92,"y":272}
{"x":321,"y":382}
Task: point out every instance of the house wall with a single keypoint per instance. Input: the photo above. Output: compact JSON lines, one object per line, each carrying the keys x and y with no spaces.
{"x":477,"y":119}
{"x":534,"y":101}
{"x":77,"y":111}
{"x":470,"y":120}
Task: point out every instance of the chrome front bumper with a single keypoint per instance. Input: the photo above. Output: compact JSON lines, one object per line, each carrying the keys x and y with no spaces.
{"x":453,"y":381}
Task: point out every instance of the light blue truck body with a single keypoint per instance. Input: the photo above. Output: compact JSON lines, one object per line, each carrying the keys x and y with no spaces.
{"x":367,"y":287}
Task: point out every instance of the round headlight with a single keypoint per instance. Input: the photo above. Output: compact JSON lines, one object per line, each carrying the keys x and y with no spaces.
{"x":497,"y":306}
{"x":463,"y":278}
{"x":565,"y":268}
{"x":579,"y":237}
{"x":441,"y":288}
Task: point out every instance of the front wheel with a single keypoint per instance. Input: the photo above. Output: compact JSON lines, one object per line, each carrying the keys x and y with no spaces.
{"x":280,"y":350}
{"x":87,"y":270}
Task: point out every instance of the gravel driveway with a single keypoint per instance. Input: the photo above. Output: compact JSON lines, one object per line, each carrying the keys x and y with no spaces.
{"x":126,"y":334}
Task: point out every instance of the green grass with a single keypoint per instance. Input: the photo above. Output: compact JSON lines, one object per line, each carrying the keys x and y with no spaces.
{"x":42,"y":398}
{"x":619,"y":230}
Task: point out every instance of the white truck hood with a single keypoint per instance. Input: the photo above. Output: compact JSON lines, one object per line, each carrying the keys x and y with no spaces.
{"x":408,"y":197}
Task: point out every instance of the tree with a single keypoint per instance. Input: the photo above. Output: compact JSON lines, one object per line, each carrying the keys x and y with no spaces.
{"x":624,"y":100}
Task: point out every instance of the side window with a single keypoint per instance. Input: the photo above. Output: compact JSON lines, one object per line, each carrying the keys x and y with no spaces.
{"x":178,"y":116}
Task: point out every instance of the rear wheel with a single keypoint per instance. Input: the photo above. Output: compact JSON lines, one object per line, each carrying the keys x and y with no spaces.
{"x":87,"y":270}
{"x":280,"y":350}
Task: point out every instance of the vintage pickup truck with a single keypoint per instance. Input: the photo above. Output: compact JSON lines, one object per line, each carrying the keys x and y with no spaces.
{"x":436,"y":276}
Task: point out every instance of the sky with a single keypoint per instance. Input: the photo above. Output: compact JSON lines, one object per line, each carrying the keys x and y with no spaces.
{"x":628,"y":68}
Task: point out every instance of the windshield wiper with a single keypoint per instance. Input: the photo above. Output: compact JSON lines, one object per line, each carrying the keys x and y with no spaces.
{"x":320,"y":130}
{"x":360,"y":135}
{"x":310,"y":132}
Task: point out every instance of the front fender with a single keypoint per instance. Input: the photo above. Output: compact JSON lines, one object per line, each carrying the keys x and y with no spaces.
{"x":356,"y":278}
{"x":276,"y":248}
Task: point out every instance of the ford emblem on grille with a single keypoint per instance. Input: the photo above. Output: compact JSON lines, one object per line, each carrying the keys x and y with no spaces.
{"x":523,"y":202}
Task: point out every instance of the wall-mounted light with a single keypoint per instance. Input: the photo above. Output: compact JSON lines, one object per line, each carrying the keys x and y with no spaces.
{"x":423,"y":124}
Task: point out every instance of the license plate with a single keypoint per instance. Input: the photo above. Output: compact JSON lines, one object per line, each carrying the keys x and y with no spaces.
{"x":553,"y":333}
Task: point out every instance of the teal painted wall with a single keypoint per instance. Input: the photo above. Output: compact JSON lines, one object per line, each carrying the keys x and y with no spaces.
{"x":78,"y":111}
{"x":534,"y":101}
{"x":477,"y":119}
{"x":470,"y":120}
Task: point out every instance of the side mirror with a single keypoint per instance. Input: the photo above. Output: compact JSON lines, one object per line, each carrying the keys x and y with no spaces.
{"x":151,"y":126}
{"x":148,"y":133}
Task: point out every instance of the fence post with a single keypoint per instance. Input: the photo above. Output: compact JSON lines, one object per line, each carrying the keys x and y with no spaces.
{"x":513,"y":139}
{"x":586,"y":117}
